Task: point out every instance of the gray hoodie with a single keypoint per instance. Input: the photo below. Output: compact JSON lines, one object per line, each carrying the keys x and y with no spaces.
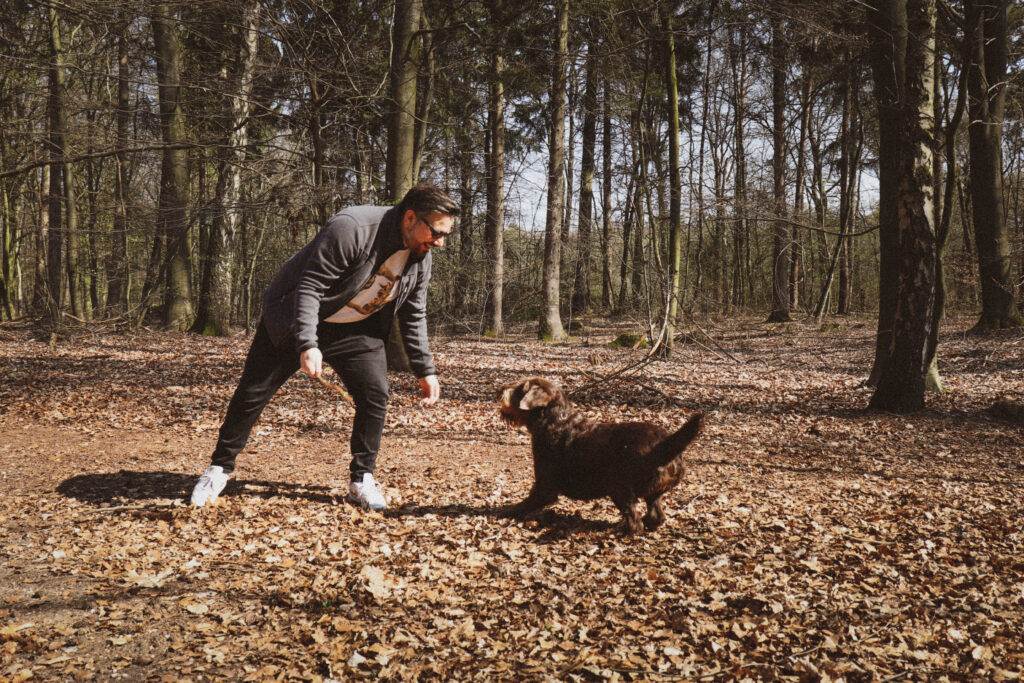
{"x":324,"y":275}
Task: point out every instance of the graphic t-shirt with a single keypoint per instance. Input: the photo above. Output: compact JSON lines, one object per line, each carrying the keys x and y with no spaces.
{"x":376,"y":293}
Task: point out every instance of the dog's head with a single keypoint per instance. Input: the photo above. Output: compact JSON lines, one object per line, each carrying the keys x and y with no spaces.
{"x":520,"y":401}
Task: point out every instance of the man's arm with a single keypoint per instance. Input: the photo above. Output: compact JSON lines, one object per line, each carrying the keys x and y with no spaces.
{"x":332,"y":251}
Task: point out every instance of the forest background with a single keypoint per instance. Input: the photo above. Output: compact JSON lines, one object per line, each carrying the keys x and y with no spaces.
{"x":159,"y":160}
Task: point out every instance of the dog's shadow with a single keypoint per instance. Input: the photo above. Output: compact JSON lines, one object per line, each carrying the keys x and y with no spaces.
{"x":551,"y":524}
{"x":555,"y":526}
{"x":115,"y":488}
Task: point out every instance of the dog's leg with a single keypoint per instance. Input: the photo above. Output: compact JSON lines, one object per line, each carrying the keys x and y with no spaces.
{"x":655,"y":516}
{"x":629,"y":506}
{"x":538,"y":499}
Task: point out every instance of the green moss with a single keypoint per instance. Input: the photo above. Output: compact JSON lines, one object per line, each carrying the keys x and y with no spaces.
{"x":630,"y":340}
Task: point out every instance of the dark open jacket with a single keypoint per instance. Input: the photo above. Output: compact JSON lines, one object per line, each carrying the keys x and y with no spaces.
{"x":324,"y":275}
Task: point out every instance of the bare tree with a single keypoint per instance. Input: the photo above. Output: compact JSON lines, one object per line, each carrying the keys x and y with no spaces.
{"x":781,"y":253}
{"x":901,"y":384}
{"x":494,"y":226}
{"x":214,"y":314}
{"x":402,"y":130}
{"x":550,"y":323}
{"x":986,"y":42}
{"x":172,"y":219}
{"x":118,"y":267}
{"x":402,"y":123}
{"x":581,"y":287}
{"x":675,"y":249}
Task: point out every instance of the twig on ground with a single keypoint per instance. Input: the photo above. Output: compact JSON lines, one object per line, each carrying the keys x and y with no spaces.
{"x":646,"y":360}
{"x":713,"y":341}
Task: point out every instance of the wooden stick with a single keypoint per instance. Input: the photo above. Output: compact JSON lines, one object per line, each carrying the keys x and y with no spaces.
{"x":335,"y":388}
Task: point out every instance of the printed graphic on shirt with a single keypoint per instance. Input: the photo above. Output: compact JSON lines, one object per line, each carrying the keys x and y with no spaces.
{"x":379,"y":289}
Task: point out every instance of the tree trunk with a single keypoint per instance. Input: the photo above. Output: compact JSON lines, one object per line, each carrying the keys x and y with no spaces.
{"x":738,"y":61}
{"x":606,"y":199}
{"x":901,"y":385}
{"x":75,"y":295}
{"x":888,"y":55}
{"x":93,"y":183}
{"x":8,"y":240}
{"x":172,"y":220}
{"x":675,"y":249}
{"x":550,"y":323}
{"x":845,"y":168}
{"x":321,"y":195}
{"x":851,"y":189}
{"x":943,"y":188}
{"x":986,"y":43}
{"x":699,"y":263}
{"x":215,"y":312}
{"x":494,"y":227}
{"x":117,"y":266}
{"x":40,"y":283}
{"x":462,"y":275}
{"x":581,"y":288}
{"x":425,"y":97}
{"x":402,"y":130}
{"x":402,"y":124}
{"x":639,"y":263}
{"x":846,"y":183}
{"x":569,"y":151}
{"x":55,"y":233}
{"x":780,"y":247}
{"x":627,"y":231}
{"x":67,"y":180}
{"x":795,"y":263}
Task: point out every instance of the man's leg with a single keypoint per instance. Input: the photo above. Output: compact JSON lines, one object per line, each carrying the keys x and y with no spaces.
{"x":266,"y":369}
{"x":365,"y":375}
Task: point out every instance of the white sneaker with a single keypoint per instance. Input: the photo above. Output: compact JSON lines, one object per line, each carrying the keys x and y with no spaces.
{"x":366,"y":493}
{"x":209,"y":486}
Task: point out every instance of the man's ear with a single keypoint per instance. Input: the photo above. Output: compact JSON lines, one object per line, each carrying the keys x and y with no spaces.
{"x":535,"y":396}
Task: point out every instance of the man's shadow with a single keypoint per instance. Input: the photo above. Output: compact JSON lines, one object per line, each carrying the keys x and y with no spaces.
{"x":118,"y":488}
{"x":127,"y":487}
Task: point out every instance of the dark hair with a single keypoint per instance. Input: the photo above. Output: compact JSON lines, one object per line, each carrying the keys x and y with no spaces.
{"x":426,"y":198}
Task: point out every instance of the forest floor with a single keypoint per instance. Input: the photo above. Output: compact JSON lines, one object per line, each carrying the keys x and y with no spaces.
{"x":810,"y":538}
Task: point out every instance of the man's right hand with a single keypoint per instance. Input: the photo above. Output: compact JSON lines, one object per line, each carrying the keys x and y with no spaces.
{"x":312,"y":362}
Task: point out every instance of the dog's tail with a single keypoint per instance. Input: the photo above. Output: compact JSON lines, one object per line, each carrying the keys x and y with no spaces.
{"x":669,"y":448}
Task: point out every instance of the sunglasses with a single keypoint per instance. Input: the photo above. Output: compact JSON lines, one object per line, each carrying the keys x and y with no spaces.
{"x":435,"y":234}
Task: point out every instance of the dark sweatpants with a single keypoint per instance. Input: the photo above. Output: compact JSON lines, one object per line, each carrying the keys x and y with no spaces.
{"x":354,"y":350}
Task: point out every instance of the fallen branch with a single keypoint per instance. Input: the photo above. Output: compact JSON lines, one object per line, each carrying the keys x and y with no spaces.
{"x":621,"y":371}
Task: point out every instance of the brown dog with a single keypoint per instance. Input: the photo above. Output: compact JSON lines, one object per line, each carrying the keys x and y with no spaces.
{"x":582,"y":459}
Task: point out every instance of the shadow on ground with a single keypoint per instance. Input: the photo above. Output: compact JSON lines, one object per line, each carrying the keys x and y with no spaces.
{"x":118,"y":487}
{"x":125,"y":486}
{"x":553,"y":525}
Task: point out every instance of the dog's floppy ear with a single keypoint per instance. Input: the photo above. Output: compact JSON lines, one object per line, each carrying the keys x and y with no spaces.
{"x":535,"y":396}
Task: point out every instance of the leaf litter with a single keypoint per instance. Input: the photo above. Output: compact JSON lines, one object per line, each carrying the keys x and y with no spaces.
{"x":810,"y":539}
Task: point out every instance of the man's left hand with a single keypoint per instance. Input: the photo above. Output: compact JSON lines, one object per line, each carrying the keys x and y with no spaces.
{"x":430,"y":390}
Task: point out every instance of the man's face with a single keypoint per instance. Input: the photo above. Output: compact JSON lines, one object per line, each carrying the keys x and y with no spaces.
{"x":420,"y":233}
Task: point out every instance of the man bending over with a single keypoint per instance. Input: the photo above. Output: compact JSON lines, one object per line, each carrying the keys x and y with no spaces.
{"x":333,"y":302}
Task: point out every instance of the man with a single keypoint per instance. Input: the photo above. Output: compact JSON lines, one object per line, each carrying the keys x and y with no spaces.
{"x":334,"y":301}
